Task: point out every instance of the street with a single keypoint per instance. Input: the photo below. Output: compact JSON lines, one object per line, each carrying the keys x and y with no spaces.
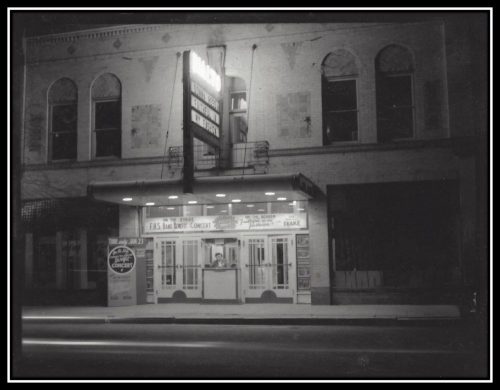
{"x":187,"y":351}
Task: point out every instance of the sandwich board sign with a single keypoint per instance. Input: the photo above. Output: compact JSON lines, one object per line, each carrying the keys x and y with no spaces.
{"x":121,"y":276}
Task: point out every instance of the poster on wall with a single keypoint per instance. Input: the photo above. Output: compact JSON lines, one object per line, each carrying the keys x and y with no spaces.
{"x":229,"y":222}
{"x":303,"y":263}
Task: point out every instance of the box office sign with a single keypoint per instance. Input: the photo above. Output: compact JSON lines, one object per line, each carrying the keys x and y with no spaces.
{"x":122,"y":263}
{"x":202,"y":110}
{"x":202,"y":86}
{"x":227,"y":222}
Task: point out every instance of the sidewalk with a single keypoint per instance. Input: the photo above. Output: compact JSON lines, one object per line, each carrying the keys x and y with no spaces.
{"x":242,"y":314}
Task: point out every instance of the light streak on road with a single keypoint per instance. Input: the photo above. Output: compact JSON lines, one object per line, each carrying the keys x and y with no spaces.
{"x":225,"y":345}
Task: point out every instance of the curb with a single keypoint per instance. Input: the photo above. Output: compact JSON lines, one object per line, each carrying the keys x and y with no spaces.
{"x":377,"y":321}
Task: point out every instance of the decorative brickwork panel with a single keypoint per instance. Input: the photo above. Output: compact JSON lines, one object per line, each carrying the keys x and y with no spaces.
{"x":294,"y":115}
{"x":146,"y":126}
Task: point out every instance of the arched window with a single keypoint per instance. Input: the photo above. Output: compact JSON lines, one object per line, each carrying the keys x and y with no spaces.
{"x":238,"y":123}
{"x":339,"y":92}
{"x":107,"y":116}
{"x":394,"y":85}
{"x":63,"y":107}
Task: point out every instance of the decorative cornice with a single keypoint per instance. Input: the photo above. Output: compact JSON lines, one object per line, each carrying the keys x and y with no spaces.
{"x":102,"y":33}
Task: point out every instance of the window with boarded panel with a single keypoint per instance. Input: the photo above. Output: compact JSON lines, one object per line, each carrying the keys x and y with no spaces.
{"x":63,"y":109}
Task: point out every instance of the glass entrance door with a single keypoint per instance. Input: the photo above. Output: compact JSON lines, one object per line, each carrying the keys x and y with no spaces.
{"x":269,"y":266}
{"x":256,"y":267}
{"x":177,"y":267}
{"x":282,"y":266}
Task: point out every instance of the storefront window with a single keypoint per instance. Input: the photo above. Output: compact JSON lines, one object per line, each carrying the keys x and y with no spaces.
{"x":249,"y":208}
{"x":217,"y":209}
{"x":192,"y":210}
{"x":71,"y":248}
{"x":45,"y":263}
{"x":163,"y":211}
{"x":288,"y":207}
{"x":283,"y":207}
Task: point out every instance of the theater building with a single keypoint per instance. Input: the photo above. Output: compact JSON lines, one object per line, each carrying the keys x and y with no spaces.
{"x":346,"y":170}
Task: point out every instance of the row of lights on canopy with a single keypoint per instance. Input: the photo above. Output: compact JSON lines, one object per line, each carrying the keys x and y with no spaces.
{"x":173,"y":197}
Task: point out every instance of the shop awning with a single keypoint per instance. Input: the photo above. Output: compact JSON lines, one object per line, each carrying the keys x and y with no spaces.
{"x":206,"y":190}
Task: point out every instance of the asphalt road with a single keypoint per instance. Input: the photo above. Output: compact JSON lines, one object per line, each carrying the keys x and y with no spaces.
{"x":182,"y":351}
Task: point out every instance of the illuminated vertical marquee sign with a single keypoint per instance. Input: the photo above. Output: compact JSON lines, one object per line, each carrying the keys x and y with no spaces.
{"x":202,"y":110}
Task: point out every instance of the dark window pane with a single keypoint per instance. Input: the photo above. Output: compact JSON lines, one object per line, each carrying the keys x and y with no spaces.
{"x":64,"y":118}
{"x":340,"y":95}
{"x":192,"y":211}
{"x":342,"y":126}
{"x":249,"y":208}
{"x":282,"y":207}
{"x":394,"y":107}
{"x":394,"y":91}
{"x":108,"y":143}
{"x":239,"y":128}
{"x":395,"y":123}
{"x":238,"y":101}
{"x":63,"y":146}
{"x":108,"y":115}
{"x":45,"y":264}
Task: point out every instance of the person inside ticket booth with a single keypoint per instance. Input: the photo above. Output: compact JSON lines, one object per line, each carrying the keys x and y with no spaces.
{"x":219,"y":261}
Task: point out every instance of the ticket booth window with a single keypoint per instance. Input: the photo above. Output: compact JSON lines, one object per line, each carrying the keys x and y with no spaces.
{"x":227,"y":247}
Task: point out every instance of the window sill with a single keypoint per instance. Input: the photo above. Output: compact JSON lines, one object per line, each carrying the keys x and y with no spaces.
{"x":353,"y":147}
{"x":106,"y":158}
{"x":62,"y":161}
{"x":342,"y":143}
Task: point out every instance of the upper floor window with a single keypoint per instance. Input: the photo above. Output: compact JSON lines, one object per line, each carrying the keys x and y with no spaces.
{"x":339,"y":90}
{"x":238,"y":110}
{"x":63,"y":109}
{"x":107,"y":116}
{"x":394,"y":91}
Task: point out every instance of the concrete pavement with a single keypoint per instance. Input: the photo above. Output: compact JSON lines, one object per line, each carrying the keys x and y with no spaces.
{"x":247,"y":313}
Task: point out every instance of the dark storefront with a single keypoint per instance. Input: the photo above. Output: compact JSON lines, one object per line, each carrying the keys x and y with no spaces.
{"x":65,"y":250}
{"x":395,"y":242}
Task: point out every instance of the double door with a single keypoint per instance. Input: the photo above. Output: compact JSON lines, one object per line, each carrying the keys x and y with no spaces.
{"x":178,"y":267}
{"x":269,"y":265}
